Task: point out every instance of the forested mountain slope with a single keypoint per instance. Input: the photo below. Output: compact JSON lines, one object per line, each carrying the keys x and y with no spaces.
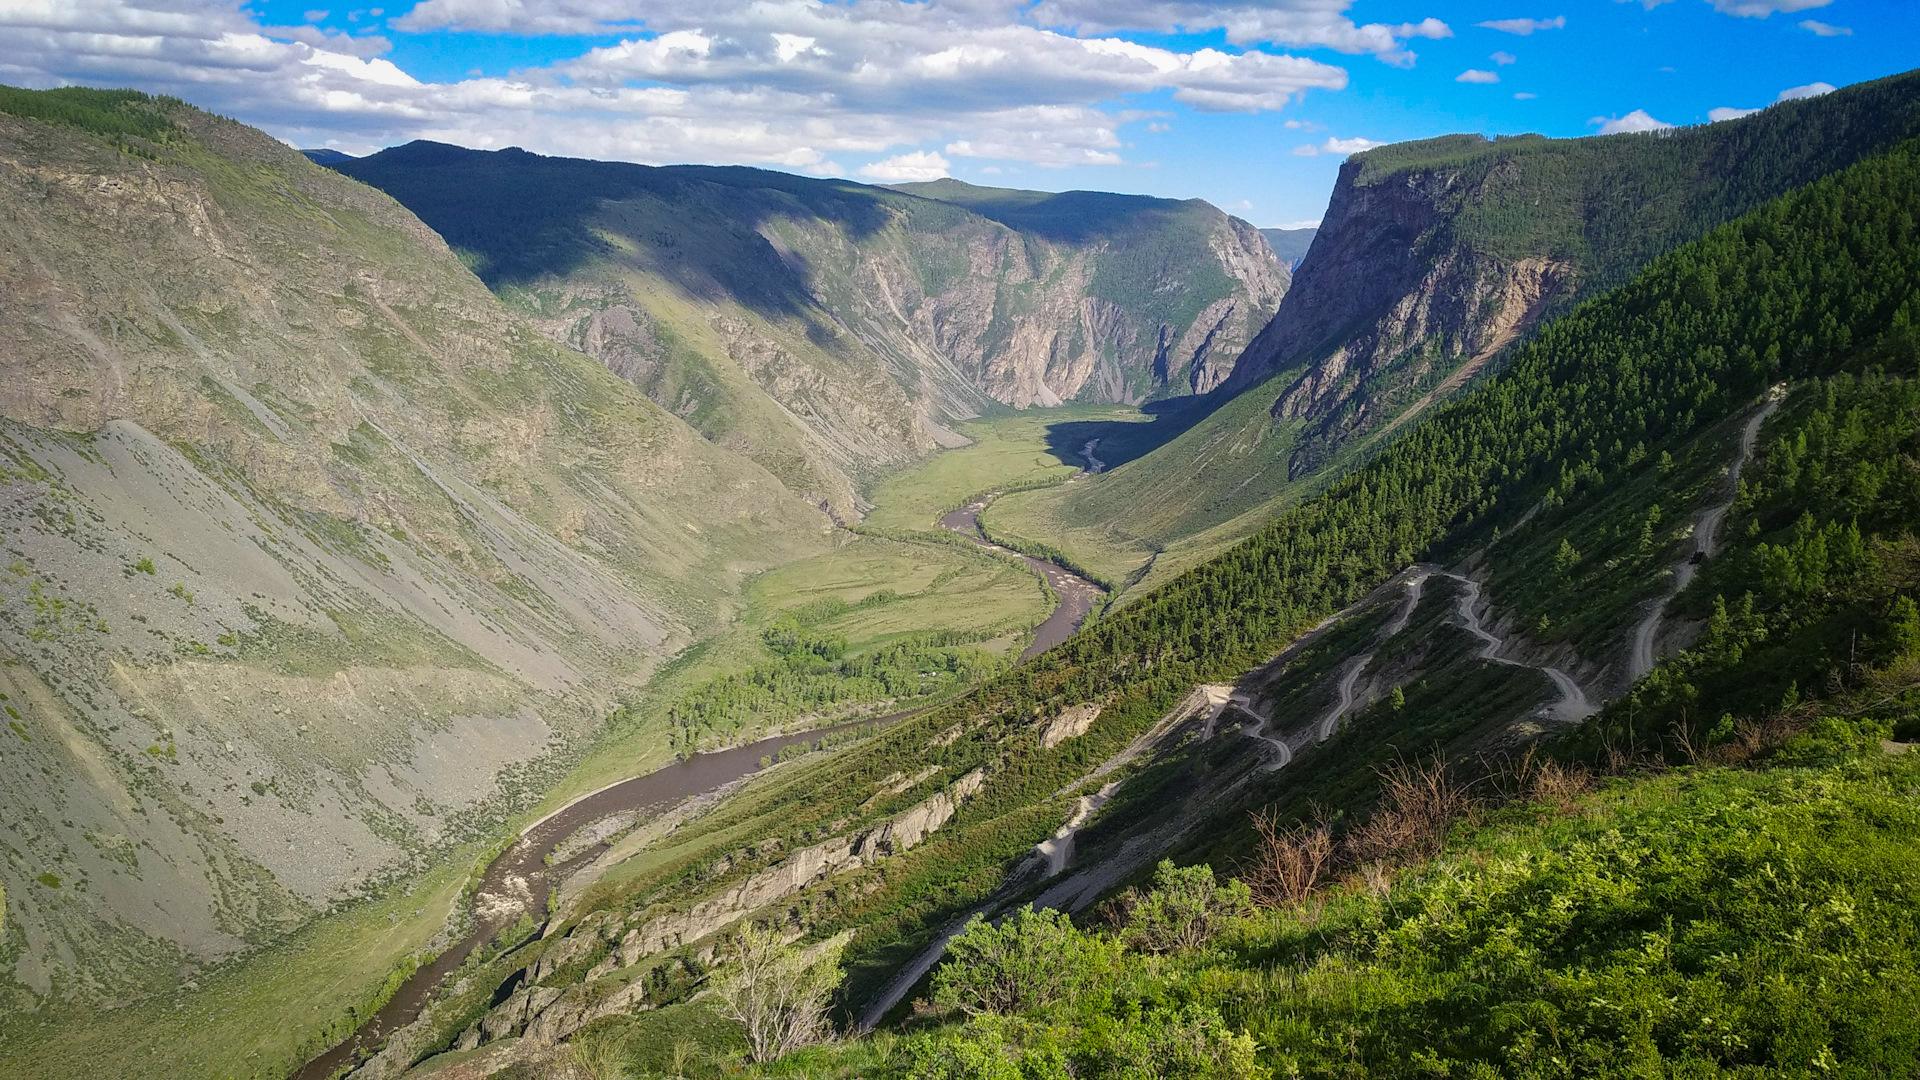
{"x":830,"y":329}
{"x":1487,"y":571}
{"x":1290,"y":245}
{"x":1432,"y":258}
{"x":318,"y":560}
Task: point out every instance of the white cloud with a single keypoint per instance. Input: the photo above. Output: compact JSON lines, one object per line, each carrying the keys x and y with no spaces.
{"x":1811,"y":90}
{"x":1815,"y":26}
{"x":1288,"y":23}
{"x":1474,"y":75}
{"x":1503,"y":58}
{"x":1524,"y":96}
{"x":1791,"y":93}
{"x":1306,"y":150}
{"x":904,"y":168}
{"x":1760,"y":9}
{"x":1347,"y":146}
{"x":789,"y":83}
{"x":1635,"y":121}
{"x":1524,"y":27}
{"x":1309,"y":223}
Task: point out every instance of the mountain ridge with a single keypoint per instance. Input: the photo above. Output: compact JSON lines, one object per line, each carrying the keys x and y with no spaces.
{"x":858,"y":322}
{"x":1434,"y":258}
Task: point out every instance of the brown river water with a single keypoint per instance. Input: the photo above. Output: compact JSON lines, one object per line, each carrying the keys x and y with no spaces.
{"x":1077,"y":594}
{"x":521,"y":872}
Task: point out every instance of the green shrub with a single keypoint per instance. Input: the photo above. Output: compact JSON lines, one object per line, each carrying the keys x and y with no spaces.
{"x":1185,"y":909}
{"x":1032,"y":959}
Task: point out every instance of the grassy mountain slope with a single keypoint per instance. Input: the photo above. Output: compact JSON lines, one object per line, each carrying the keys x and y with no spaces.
{"x":318,"y":559}
{"x":1433,"y":257}
{"x":830,"y":329}
{"x":1637,"y":397}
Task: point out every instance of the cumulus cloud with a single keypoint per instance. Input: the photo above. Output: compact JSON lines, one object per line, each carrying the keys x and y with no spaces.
{"x":1474,"y":75}
{"x":1524,"y":96}
{"x":903,"y":168}
{"x":1504,"y":58}
{"x":1815,"y":26}
{"x":1811,"y":90}
{"x":1336,"y":146}
{"x":790,"y":83}
{"x":1791,"y":93}
{"x":1635,"y":121}
{"x":1524,"y":27}
{"x":1287,"y":23}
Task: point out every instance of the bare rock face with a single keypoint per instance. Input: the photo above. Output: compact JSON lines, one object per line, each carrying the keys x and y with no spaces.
{"x":1070,"y":724}
{"x":1385,"y":306}
{"x":542,"y":1016}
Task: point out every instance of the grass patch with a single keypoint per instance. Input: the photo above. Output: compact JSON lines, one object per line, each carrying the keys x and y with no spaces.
{"x":260,"y":1016}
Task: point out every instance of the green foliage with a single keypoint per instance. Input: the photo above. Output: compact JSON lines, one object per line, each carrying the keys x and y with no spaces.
{"x":1811,"y":284}
{"x":1817,"y":586}
{"x":812,"y":674}
{"x":778,"y":993}
{"x":113,"y":114}
{"x":1184,"y":910}
{"x":1032,"y":959}
{"x":1612,"y":204}
{"x":1187,"y":1042}
{"x":1705,"y":924}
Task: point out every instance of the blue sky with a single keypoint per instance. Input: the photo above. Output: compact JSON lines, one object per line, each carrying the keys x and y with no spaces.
{"x":1250,"y":104}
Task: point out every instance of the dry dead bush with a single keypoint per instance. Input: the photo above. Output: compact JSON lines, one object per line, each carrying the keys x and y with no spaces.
{"x":1559,"y":785}
{"x":1288,"y":861}
{"x":1418,"y":804}
{"x":1377,"y":877}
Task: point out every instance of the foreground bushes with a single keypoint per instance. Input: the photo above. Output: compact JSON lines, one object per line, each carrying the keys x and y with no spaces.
{"x":1697,"y":923}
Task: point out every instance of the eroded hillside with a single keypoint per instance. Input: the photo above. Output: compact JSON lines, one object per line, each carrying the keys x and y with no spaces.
{"x":318,"y":559}
{"x":829,"y":329}
{"x":1481,"y":583}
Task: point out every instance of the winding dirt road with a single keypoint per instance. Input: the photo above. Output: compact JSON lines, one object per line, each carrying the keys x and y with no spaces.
{"x":1705,"y":530}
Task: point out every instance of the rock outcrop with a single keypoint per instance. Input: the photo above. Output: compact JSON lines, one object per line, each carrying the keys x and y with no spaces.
{"x":543,"y":1015}
{"x":1384,"y":307}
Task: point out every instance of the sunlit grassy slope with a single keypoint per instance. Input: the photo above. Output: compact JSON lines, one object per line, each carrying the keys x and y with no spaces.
{"x":255,"y":1017}
{"x":1008,"y":448}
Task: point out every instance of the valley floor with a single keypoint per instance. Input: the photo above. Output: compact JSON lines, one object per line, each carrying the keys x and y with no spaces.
{"x":893,"y":583}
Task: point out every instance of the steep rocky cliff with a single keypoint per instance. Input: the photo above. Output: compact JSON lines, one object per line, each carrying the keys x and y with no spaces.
{"x":1434,"y":255}
{"x":316,"y":556}
{"x":1432,"y":258}
{"x":829,"y":329}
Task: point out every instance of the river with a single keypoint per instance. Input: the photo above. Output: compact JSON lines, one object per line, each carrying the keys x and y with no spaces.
{"x":518,"y":880}
{"x":1077,"y":594}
